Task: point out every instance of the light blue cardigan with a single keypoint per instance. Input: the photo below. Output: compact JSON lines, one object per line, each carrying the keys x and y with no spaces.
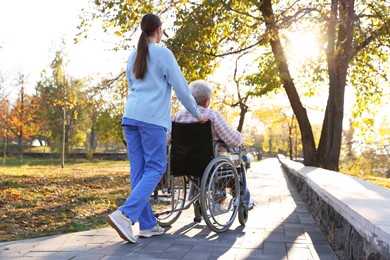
{"x":149,"y":99}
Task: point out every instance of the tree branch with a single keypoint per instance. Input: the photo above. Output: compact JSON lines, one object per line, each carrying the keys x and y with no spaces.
{"x":230,"y":8}
{"x":373,"y":36}
{"x":259,"y":42}
{"x":288,"y":20}
{"x":374,"y":68}
{"x":384,"y":29}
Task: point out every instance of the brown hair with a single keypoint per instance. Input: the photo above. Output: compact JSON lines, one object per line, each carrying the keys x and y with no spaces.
{"x":149,"y":24}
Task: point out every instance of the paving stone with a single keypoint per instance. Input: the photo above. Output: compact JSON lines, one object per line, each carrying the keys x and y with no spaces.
{"x":316,"y":237}
{"x":293,"y":231}
{"x":118,"y":249}
{"x":52,"y":255}
{"x":291,"y":219}
{"x":299,"y":253}
{"x":199,"y":252}
{"x":274,"y":248}
{"x":176,"y":251}
{"x":157,"y":246}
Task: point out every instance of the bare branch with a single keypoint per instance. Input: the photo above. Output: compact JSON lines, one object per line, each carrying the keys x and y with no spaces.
{"x":288,"y":8}
{"x":261,"y":41}
{"x":230,"y":8}
{"x":119,"y":77}
{"x":288,"y":20}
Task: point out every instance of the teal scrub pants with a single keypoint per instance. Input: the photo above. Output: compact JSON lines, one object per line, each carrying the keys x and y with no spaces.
{"x":146,"y":150}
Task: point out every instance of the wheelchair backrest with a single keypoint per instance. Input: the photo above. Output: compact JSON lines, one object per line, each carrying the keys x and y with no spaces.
{"x":191,"y":148}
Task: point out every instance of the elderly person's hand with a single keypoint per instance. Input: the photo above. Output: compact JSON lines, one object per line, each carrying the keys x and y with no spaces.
{"x":201,"y":118}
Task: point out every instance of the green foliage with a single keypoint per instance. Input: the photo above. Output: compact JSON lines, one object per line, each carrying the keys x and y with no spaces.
{"x":109,"y":126}
{"x":368,"y":163}
{"x":110,"y":96}
{"x":266,"y":78}
{"x":370,"y":80}
{"x":368,"y":155}
{"x":59,"y":92}
{"x":204,"y":32}
{"x":120,"y":17}
{"x":369,"y":67}
{"x":280,"y":130}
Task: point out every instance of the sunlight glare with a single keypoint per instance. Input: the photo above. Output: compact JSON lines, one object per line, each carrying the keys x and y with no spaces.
{"x":304,"y":45}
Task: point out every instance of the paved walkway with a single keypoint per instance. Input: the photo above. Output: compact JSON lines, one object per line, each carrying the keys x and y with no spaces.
{"x":279,"y":227}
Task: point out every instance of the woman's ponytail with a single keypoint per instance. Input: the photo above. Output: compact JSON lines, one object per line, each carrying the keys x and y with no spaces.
{"x":149,"y":24}
{"x":139,"y":65}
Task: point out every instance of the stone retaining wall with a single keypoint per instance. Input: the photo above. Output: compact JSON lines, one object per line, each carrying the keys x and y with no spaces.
{"x":346,"y":230}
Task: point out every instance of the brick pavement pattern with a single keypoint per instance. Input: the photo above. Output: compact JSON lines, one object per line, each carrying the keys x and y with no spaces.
{"x":279,"y":227}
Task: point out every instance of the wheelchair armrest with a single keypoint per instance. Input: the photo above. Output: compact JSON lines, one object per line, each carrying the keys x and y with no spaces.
{"x":234,"y":153}
{"x":235,"y":150}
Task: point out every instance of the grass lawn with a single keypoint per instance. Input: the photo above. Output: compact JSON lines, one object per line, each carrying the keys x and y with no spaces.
{"x":380,"y":181}
{"x":39,"y":198}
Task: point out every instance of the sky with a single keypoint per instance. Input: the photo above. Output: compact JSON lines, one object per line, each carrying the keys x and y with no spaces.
{"x":31,"y":32}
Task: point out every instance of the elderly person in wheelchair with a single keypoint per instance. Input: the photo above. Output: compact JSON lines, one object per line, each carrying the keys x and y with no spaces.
{"x":221,"y":130}
{"x":205,"y":169}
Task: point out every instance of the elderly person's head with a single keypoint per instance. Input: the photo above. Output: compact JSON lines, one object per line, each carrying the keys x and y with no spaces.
{"x":201,"y":91}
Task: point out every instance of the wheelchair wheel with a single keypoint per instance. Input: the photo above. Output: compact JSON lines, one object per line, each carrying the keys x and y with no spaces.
{"x":243,"y":213}
{"x":220,"y":194}
{"x":170,"y":194}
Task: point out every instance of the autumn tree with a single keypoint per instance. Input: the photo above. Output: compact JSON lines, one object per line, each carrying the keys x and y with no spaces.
{"x":4,"y":119}
{"x":17,"y":117}
{"x":63,"y":107}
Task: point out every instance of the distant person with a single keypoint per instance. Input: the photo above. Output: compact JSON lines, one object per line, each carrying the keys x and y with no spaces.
{"x":221,"y":130}
{"x":151,"y":72}
{"x":259,"y":156}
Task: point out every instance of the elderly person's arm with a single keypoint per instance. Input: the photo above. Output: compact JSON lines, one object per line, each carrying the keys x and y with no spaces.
{"x":225,"y":132}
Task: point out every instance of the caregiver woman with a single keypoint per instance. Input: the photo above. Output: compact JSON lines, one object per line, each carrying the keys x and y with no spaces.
{"x":151,"y":72}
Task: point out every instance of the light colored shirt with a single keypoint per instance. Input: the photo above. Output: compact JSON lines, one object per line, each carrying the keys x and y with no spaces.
{"x":149,"y":99}
{"x":221,"y":130}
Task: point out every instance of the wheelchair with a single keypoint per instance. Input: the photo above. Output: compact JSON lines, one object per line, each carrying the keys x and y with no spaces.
{"x":199,"y":175}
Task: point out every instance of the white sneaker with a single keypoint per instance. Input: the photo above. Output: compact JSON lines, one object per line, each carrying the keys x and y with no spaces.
{"x":155,"y":231}
{"x":122,"y":225}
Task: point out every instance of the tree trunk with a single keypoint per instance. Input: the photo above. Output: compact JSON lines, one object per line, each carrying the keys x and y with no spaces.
{"x":243,"y":110}
{"x":63,"y":138}
{"x":21,"y":120}
{"x":67,"y":149}
{"x":20,"y":147}
{"x":308,"y":144}
{"x":92,"y":135}
{"x":270,"y":143}
{"x":323,"y":140}
{"x":5,"y":149}
{"x":290,"y":138}
{"x":338,"y":56}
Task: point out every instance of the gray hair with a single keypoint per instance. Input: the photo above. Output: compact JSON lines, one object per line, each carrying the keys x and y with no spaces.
{"x":201,"y":91}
